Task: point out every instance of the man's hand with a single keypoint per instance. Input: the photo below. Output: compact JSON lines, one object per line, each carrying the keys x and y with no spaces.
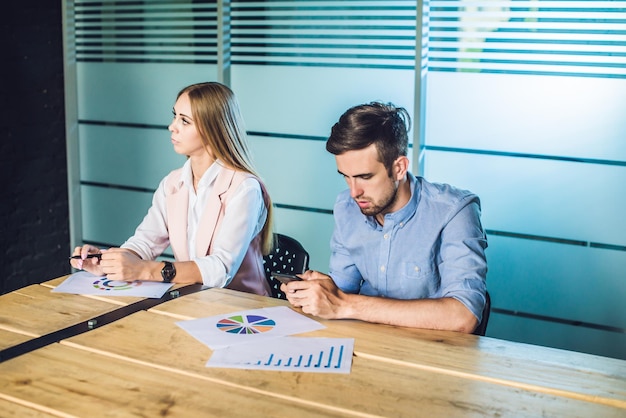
{"x":316,"y":294}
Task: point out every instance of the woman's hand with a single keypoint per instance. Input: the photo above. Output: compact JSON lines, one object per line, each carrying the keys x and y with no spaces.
{"x":92,"y":264}
{"x":125,"y":265}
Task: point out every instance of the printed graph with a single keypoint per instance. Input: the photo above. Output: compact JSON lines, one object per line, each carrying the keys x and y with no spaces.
{"x":85,"y":283}
{"x":318,"y":355}
{"x":330,"y":357}
{"x":105,"y":284}
{"x":246,"y":324}
{"x":249,"y":326}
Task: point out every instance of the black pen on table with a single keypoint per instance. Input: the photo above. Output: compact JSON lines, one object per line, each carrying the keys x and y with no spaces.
{"x":78,"y":257}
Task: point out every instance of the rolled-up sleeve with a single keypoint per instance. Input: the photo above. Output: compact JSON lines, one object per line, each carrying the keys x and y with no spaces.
{"x":463,"y":264}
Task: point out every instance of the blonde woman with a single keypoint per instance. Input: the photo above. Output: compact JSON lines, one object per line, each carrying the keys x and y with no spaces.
{"x":214,"y":211}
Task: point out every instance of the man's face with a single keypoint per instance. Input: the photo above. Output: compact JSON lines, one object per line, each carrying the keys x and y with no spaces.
{"x":369,"y":182}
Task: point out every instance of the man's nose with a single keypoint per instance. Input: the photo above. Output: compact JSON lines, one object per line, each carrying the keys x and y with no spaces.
{"x":355,"y":189}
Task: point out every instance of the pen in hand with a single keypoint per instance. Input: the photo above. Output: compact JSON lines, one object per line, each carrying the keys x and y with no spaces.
{"x":78,"y":257}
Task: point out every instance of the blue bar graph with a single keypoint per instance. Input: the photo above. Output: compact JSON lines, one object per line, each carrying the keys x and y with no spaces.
{"x":326,"y":358}
{"x":325,"y":355}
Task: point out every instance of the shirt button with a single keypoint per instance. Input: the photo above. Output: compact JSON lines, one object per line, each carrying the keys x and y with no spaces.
{"x":386,"y":236}
{"x":417,"y":269}
{"x":401,"y":224}
{"x":382,"y":268}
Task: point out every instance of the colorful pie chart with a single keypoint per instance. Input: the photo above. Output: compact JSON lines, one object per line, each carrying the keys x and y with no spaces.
{"x":106,"y":284}
{"x":246,"y":324}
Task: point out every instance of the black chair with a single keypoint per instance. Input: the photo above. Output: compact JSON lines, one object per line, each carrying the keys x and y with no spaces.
{"x":482,"y":327}
{"x":287,"y":256}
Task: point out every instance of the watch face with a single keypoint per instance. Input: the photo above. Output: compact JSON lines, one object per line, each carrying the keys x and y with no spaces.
{"x":168,"y":272}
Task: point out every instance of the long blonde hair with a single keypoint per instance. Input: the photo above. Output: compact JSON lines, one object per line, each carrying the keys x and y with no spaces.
{"x":217,"y":116}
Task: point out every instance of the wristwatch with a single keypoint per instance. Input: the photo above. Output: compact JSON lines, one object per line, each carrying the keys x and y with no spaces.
{"x":168,"y":272}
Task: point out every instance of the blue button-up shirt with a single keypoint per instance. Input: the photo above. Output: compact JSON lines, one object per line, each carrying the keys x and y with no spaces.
{"x":433,"y":247}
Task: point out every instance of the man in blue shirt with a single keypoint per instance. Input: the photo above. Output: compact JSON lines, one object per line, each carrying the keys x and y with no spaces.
{"x":404,"y":251}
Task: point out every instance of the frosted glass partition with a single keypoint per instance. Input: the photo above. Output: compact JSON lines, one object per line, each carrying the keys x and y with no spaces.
{"x":126,"y":156}
{"x":562,"y":116}
{"x":338,"y":34}
{"x":309,"y":100}
{"x":575,"y":38}
{"x":559,"y":199}
{"x":571,"y":282}
{"x":298,"y":172}
{"x":110,"y":215}
{"x":134,"y":93}
{"x":525,"y":106}
{"x":558,"y":335}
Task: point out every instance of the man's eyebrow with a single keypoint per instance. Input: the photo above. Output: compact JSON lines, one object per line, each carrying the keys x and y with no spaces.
{"x":356,"y":175}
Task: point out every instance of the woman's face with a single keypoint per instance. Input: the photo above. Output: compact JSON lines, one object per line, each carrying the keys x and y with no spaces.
{"x":185,"y":136}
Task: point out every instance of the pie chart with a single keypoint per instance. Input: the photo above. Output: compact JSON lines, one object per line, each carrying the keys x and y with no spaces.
{"x":246,"y":324}
{"x":106,"y":284}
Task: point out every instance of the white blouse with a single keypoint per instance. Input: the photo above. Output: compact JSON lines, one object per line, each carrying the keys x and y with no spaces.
{"x":244,"y":218}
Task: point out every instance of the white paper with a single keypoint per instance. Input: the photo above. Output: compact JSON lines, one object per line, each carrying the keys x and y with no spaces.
{"x":254,"y":325}
{"x":85,"y":283}
{"x":298,"y":354}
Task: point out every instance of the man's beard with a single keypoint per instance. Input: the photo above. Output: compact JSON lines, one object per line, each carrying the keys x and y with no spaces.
{"x":382,"y":205}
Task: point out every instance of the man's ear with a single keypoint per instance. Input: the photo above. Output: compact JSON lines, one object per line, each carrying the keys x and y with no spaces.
{"x":400,"y":167}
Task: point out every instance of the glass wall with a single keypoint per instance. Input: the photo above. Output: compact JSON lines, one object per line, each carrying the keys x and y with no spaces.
{"x":525,"y":106}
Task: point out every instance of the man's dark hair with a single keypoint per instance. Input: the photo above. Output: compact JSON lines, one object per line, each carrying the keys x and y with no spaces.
{"x":384,"y":125}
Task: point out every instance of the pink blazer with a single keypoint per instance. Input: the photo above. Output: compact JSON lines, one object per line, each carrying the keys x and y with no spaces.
{"x":251,"y":276}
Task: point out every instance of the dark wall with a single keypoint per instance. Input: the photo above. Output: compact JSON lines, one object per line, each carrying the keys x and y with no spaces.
{"x":34,"y":228}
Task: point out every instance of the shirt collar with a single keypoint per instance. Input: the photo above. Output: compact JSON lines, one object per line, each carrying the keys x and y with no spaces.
{"x":207,"y":179}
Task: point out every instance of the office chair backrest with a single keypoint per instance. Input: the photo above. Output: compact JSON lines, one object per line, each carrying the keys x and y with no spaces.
{"x":288,"y":256}
{"x":482,"y":327}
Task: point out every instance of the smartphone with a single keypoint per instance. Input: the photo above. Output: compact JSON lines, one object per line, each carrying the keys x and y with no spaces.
{"x":284,"y":278}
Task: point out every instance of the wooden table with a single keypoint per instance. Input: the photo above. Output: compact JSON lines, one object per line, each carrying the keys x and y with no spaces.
{"x":34,"y":316}
{"x":145,"y":365}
